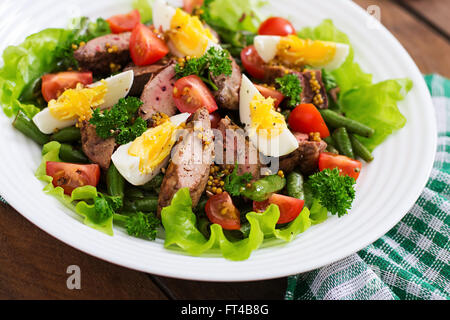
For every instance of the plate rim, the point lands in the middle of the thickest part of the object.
(16, 204)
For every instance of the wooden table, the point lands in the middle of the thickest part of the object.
(33, 264)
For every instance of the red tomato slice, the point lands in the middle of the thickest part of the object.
(190, 5)
(289, 207)
(71, 175)
(190, 94)
(276, 26)
(215, 119)
(274, 94)
(346, 165)
(124, 22)
(54, 84)
(252, 62)
(145, 47)
(306, 118)
(221, 210)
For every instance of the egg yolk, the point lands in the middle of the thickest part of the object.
(305, 52)
(265, 120)
(188, 34)
(153, 146)
(77, 103)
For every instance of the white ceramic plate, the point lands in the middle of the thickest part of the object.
(386, 190)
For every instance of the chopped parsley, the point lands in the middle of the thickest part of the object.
(291, 88)
(235, 183)
(214, 62)
(137, 224)
(120, 122)
(334, 191)
(328, 80)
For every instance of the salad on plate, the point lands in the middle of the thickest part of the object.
(212, 126)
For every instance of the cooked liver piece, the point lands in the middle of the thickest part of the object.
(227, 96)
(98, 150)
(158, 94)
(98, 54)
(232, 146)
(190, 163)
(305, 158)
(142, 75)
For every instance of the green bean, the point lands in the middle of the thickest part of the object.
(261, 189)
(294, 185)
(330, 141)
(343, 142)
(134, 193)
(360, 149)
(70, 134)
(335, 120)
(115, 183)
(332, 149)
(29, 129)
(148, 204)
(153, 184)
(68, 153)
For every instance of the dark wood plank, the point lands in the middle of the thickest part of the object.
(435, 12)
(33, 265)
(427, 47)
(196, 290)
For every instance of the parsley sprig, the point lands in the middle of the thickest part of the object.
(214, 62)
(235, 183)
(290, 87)
(120, 122)
(334, 191)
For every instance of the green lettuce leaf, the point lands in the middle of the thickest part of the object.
(180, 226)
(372, 104)
(145, 9)
(26, 62)
(376, 106)
(234, 15)
(77, 201)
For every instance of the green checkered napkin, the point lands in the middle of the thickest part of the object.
(412, 260)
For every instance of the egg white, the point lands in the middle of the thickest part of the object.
(278, 146)
(128, 165)
(266, 46)
(118, 87)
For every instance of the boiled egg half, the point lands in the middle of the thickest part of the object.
(266, 128)
(76, 104)
(296, 51)
(140, 160)
(187, 34)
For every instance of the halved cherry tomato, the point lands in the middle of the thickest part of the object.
(190, 5)
(54, 84)
(124, 22)
(145, 47)
(289, 207)
(346, 165)
(190, 94)
(215, 119)
(272, 93)
(276, 26)
(306, 118)
(252, 62)
(221, 210)
(71, 175)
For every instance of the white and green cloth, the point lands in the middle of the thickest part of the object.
(411, 261)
